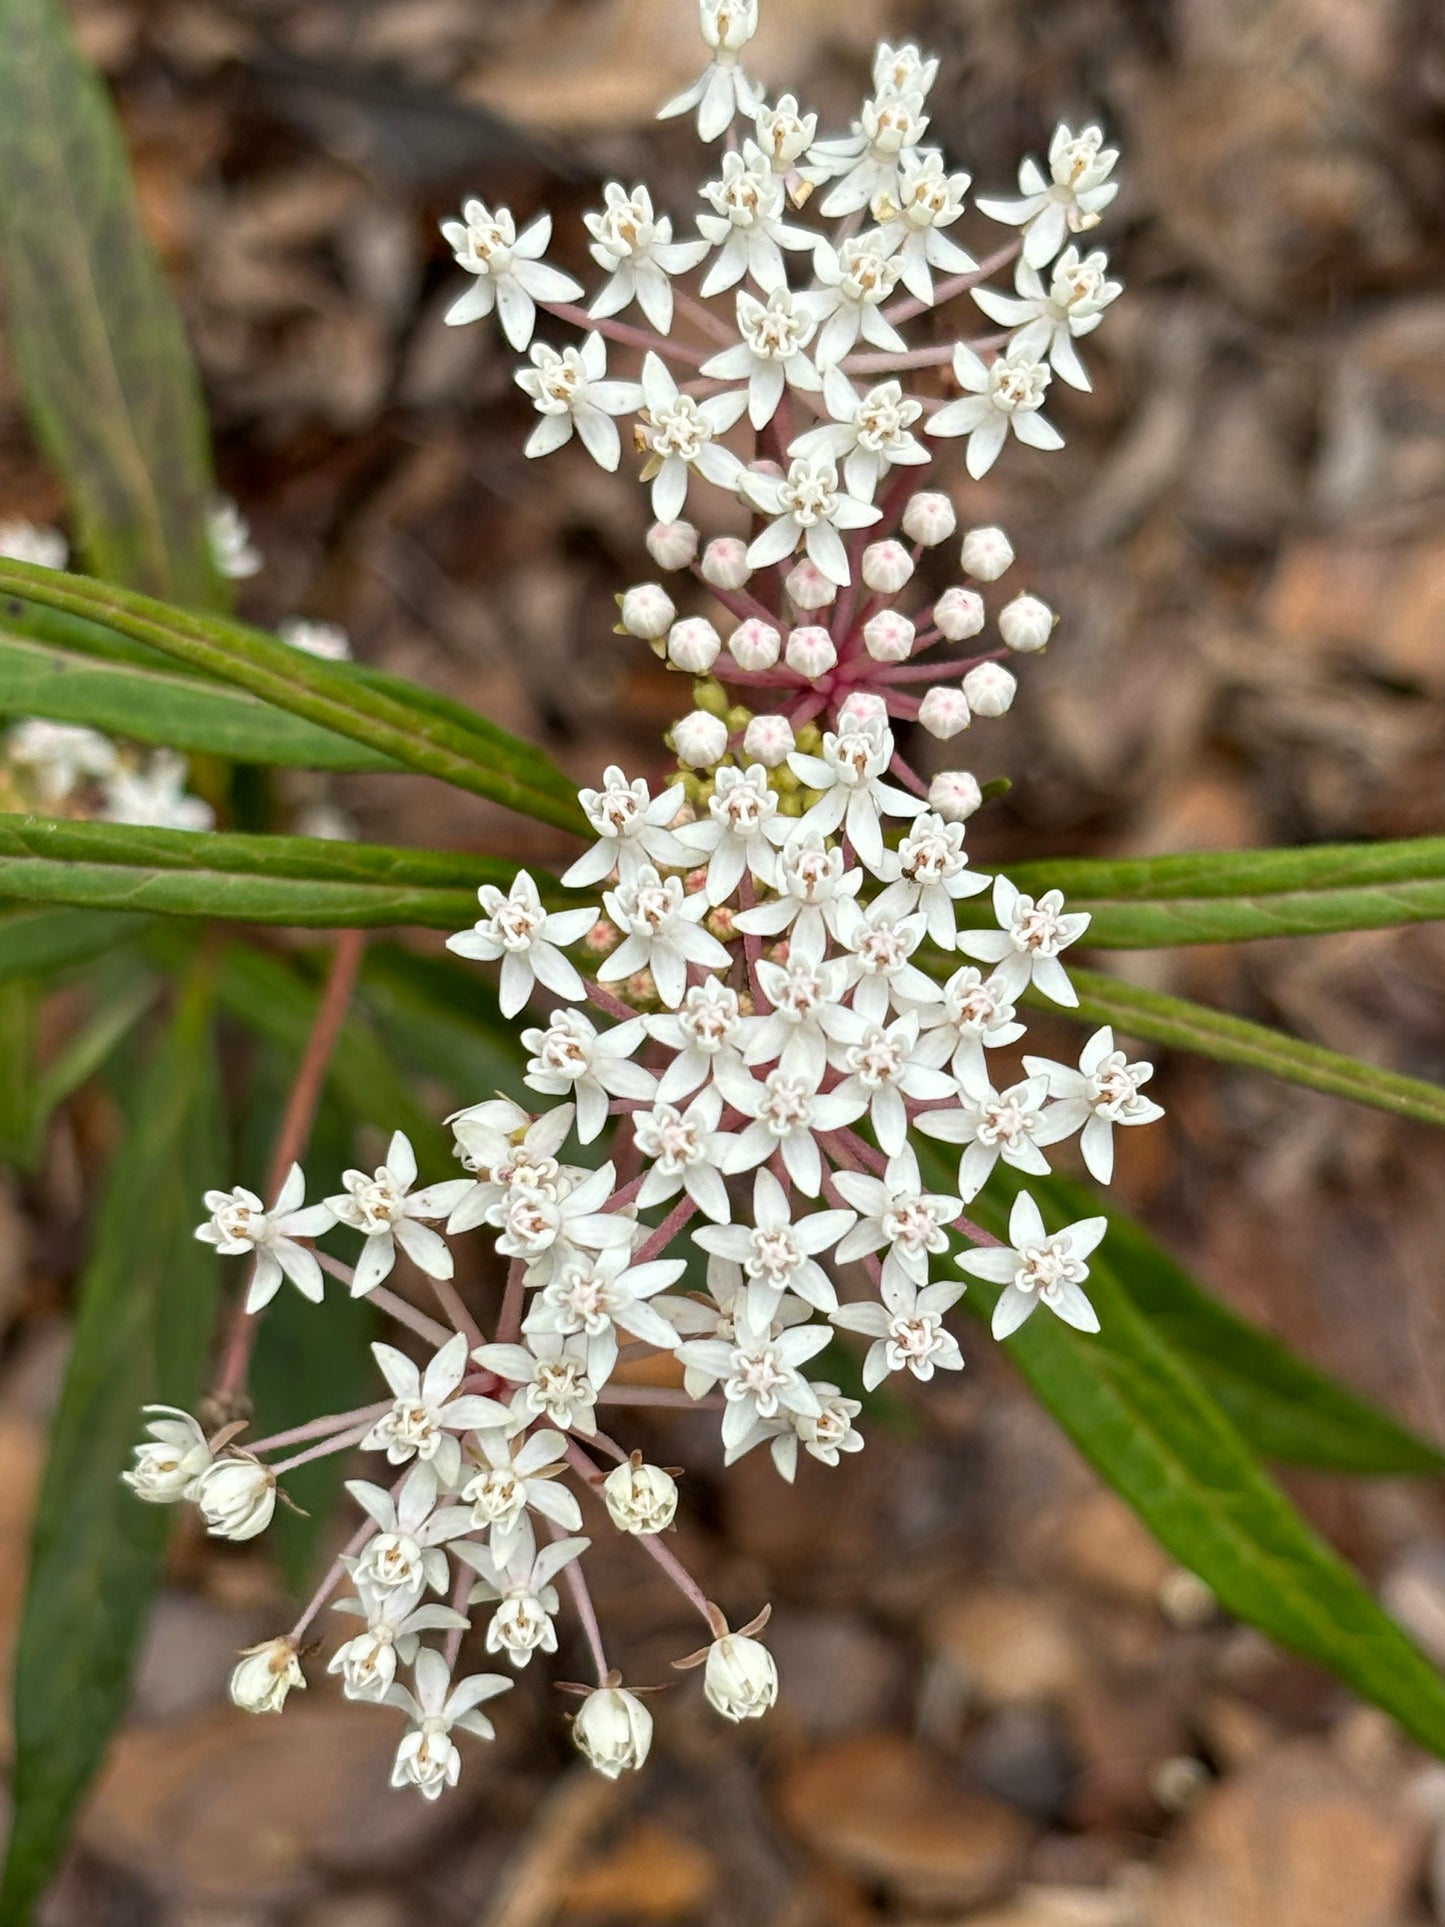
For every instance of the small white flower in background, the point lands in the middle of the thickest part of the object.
(1050, 319)
(570, 390)
(925, 200)
(932, 875)
(1068, 200)
(1012, 1125)
(599, 1294)
(572, 1058)
(383, 1205)
(902, 69)
(153, 797)
(974, 1016)
(868, 161)
(239, 1223)
(526, 1598)
(1025, 948)
(636, 248)
(233, 552)
(405, 1556)
(855, 797)
(898, 1217)
(682, 435)
(770, 357)
(367, 1662)
(168, 1465)
(746, 225)
(522, 1472)
(426, 1416)
(686, 1150)
(1006, 394)
(41, 546)
(61, 755)
(741, 832)
(328, 640)
(427, 1757)
(237, 1496)
(740, 1677)
(907, 1329)
(708, 1028)
(1104, 1091)
(854, 282)
(640, 1498)
(632, 827)
(663, 934)
(868, 434)
(612, 1727)
(265, 1676)
(527, 938)
(511, 275)
(1039, 1267)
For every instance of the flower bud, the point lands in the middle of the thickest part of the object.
(693, 644)
(755, 644)
(769, 740)
(640, 1498)
(810, 651)
(167, 1467)
(888, 636)
(986, 553)
(808, 587)
(672, 545)
(989, 688)
(741, 1677)
(237, 1496)
(1026, 623)
(613, 1729)
(886, 566)
(928, 518)
(959, 614)
(861, 707)
(647, 610)
(725, 562)
(266, 1675)
(700, 740)
(944, 711)
(954, 794)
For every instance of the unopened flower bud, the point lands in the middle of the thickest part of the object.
(986, 553)
(1026, 623)
(861, 707)
(811, 651)
(168, 1465)
(755, 644)
(769, 740)
(989, 688)
(928, 518)
(888, 636)
(237, 1497)
(954, 794)
(944, 711)
(725, 562)
(647, 611)
(700, 739)
(672, 545)
(693, 644)
(265, 1676)
(808, 587)
(640, 1498)
(613, 1729)
(959, 614)
(886, 566)
(741, 1677)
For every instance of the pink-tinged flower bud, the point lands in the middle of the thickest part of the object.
(959, 614)
(647, 611)
(929, 518)
(769, 740)
(986, 553)
(888, 636)
(755, 644)
(944, 711)
(810, 651)
(700, 740)
(1026, 623)
(860, 708)
(954, 794)
(886, 566)
(693, 644)
(725, 562)
(808, 587)
(990, 689)
(672, 545)
(602, 938)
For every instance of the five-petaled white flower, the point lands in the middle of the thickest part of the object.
(521, 1584)
(1025, 948)
(682, 435)
(770, 356)
(880, 942)
(1104, 1091)
(405, 1555)
(569, 389)
(637, 249)
(571, 1057)
(521, 1472)
(814, 883)
(526, 937)
(427, 1757)
(930, 874)
(367, 1661)
(707, 1028)
(907, 1329)
(746, 225)
(153, 796)
(169, 1463)
(787, 1113)
(546, 1223)
(868, 434)
(879, 1068)
(686, 1150)
(551, 1377)
(806, 994)
(426, 1415)
(61, 755)
(777, 1255)
(758, 1371)
(383, 1205)
(722, 89)
(913, 213)
(1068, 200)
(1006, 394)
(1013, 1125)
(239, 1222)
(741, 832)
(1050, 319)
(868, 160)
(974, 1016)
(632, 829)
(854, 282)
(597, 1294)
(896, 1216)
(663, 934)
(511, 275)
(850, 774)
(807, 506)
(1039, 1267)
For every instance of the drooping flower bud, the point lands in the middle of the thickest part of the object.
(725, 562)
(990, 689)
(929, 518)
(808, 587)
(954, 794)
(672, 545)
(811, 651)
(237, 1496)
(886, 567)
(755, 644)
(700, 740)
(613, 1729)
(741, 1677)
(888, 636)
(986, 553)
(647, 610)
(959, 614)
(1026, 623)
(641, 1498)
(944, 711)
(693, 644)
(769, 740)
(266, 1675)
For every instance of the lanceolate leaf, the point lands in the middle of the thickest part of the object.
(38, 942)
(94, 333)
(147, 1304)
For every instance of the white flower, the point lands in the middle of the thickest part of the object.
(511, 275)
(1011, 1124)
(548, 1223)
(632, 828)
(907, 1329)
(746, 225)
(902, 69)
(682, 435)
(913, 213)
(569, 389)
(850, 774)
(813, 882)
(527, 938)
(42, 547)
(521, 1474)
(707, 1029)
(522, 1586)
(1049, 319)
(427, 1757)
(426, 1415)
(823, 1436)
(613, 1729)
(1025, 948)
(758, 1369)
(153, 797)
(662, 933)
(1104, 1091)
(775, 1254)
(932, 875)
(640, 1498)
(1039, 1267)
(61, 755)
(551, 1377)
(404, 1557)
(1068, 200)
(228, 534)
(328, 640)
(686, 1151)
(237, 1496)
(595, 1295)
(1008, 393)
(881, 1070)
(889, 127)
(783, 133)
(880, 940)
(265, 1676)
(855, 280)
(741, 831)
(740, 1678)
(240, 1223)
(787, 1111)
(572, 1058)
(637, 249)
(806, 994)
(896, 1216)
(975, 1016)
(367, 1662)
(869, 434)
(510, 1151)
(770, 356)
(384, 1206)
(167, 1466)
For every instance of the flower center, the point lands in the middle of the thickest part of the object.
(680, 428)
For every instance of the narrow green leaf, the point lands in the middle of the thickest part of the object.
(147, 1305)
(19, 1015)
(103, 362)
(123, 1000)
(37, 943)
